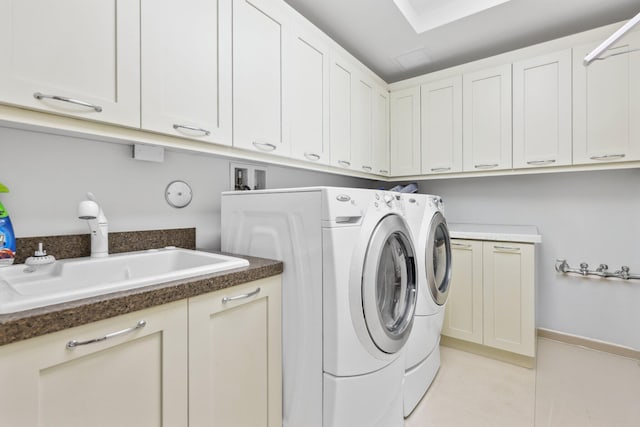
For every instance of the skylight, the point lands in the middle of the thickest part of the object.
(425, 15)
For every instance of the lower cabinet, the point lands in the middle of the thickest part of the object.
(197, 362)
(235, 357)
(492, 295)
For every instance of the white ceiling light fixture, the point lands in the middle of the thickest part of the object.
(425, 15)
(595, 53)
(414, 59)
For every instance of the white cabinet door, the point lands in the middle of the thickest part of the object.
(509, 297)
(606, 104)
(404, 142)
(441, 115)
(307, 100)
(381, 132)
(235, 375)
(137, 378)
(259, 32)
(341, 121)
(362, 126)
(72, 57)
(487, 119)
(542, 111)
(186, 68)
(463, 311)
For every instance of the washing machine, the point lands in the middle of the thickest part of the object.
(433, 247)
(349, 297)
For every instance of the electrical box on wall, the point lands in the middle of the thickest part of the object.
(247, 176)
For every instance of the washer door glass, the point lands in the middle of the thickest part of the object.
(438, 259)
(389, 284)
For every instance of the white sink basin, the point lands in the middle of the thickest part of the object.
(76, 278)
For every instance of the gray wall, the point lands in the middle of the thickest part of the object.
(48, 175)
(582, 216)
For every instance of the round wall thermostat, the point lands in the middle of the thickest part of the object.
(178, 194)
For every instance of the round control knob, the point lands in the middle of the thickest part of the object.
(388, 199)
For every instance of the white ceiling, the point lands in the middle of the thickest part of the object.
(379, 35)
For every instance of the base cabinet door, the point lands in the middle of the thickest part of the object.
(235, 357)
(509, 294)
(463, 312)
(137, 378)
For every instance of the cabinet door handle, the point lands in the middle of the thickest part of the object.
(608, 157)
(461, 245)
(264, 146)
(243, 296)
(367, 168)
(74, 343)
(193, 128)
(312, 156)
(486, 166)
(344, 163)
(384, 171)
(541, 162)
(506, 249)
(440, 169)
(40, 96)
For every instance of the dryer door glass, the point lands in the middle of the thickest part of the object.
(389, 284)
(438, 261)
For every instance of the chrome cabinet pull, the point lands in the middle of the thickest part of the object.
(75, 343)
(440, 169)
(193, 128)
(461, 245)
(506, 248)
(40, 96)
(243, 296)
(541, 162)
(608, 157)
(384, 171)
(312, 156)
(486, 166)
(264, 146)
(367, 168)
(344, 163)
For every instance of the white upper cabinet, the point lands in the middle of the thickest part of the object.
(72, 57)
(441, 117)
(404, 143)
(340, 121)
(307, 95)
(362, 126)
(542, 111)
(487, 119)
(186, 68)
(381, 132)
(606, 103)
(259, 31)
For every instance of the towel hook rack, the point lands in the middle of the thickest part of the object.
(602, 271)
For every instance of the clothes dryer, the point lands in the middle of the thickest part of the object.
(349, 297)
(433, 246)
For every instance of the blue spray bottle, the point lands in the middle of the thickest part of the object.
(7, 237)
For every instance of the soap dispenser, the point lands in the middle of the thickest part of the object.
(7, 237)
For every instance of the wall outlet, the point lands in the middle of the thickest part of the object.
(247, 176)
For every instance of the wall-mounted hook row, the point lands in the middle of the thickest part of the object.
(601, 271)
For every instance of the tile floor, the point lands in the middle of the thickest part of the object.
(570, 387)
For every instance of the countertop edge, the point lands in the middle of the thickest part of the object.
(32, 323)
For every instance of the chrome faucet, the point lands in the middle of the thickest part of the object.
(98, 226)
